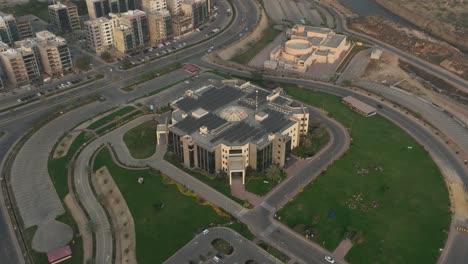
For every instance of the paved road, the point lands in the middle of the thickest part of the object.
(244, 249)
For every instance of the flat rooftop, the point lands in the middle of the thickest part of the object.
(231, 115)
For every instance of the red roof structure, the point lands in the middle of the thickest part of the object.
(59, 255)
(191, 68)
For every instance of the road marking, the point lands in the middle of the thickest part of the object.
(462, 229)
(268, 230)
(267, 206)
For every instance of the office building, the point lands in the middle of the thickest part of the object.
(306, 46)
(99, 34)
(197, 10)
(130, 30)
(160, 27)
(229, 127)
(64, 18)
(8, 29)
(153, 5)
(20, 65)
(102, 8)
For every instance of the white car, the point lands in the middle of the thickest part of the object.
(329, 259)
(216, 259)
(206, 231)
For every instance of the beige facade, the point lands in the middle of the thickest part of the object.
(153, 5)
(20, 65)
(160, 28)
(174, 7)
(307, 46)
(54, 53)
(246, 127)
(127, 37)
(181, 25)
(99, 34)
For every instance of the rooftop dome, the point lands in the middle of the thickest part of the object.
(234, 113)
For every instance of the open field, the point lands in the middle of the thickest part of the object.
(268, 36)
(385, 193)
(165, 218)
(34, 7)
(141, 140)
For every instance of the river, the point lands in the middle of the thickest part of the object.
(371, 8)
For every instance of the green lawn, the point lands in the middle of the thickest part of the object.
(34, 7)
(159, 232)
(112, 125)
(269, 35)
(390, 199)
(313, 142)
(111, 117)
(141, 140)
(255, 182)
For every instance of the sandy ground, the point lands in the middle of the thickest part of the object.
(81, 221)
(387, 71)
(120, 214)
(62, 148)
(262, 56)
(459, 203)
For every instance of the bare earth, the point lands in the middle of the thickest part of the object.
(113, 200)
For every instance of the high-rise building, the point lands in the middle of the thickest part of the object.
(197, 9)
(130, 30)
(99, 34)
(24, 28)
(102, 8)
(181, 25)
(54, 53)
(153, 5)
(8, 29)
(160, 28)
(20, 65)
(64, 18)
(174, 6)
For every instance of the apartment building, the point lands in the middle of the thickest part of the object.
(160, 27)
(197, 10)
(131, 30)
(64, 18)
(181, 25)
(54, 53)
(24, 28)
(153, 5)
(8, 29)
(102, 8)
(20, 65)
(174, 6)
(99, 34)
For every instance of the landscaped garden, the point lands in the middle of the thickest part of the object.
(166, 215)
(314, 141)
(385, 194)
(141, 140)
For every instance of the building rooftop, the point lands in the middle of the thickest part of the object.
(361, 106)
(334, 41)
(237, 115)
(57, 5)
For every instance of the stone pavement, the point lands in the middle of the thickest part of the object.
(343, 248)
(238, 190)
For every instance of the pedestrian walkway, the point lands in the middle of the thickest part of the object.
(238, 190)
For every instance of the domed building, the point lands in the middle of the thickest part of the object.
(228, 127)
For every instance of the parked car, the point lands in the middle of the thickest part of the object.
(329, 259)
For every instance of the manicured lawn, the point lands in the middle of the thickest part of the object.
(159, 232)
(268, 36)
(111, 117)
(391, 199)
(257, 183)
(141, 140)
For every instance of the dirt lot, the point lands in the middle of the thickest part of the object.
(390, 70)
(414, 42)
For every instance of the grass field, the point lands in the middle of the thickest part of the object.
(268, 36)
(159, 232)
(111, 117)
(390, 199)
(255, 182)
(141, 140)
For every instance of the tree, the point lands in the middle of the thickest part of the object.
(106, 56)
(126, 64)
(273, 172)
(83, 63)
